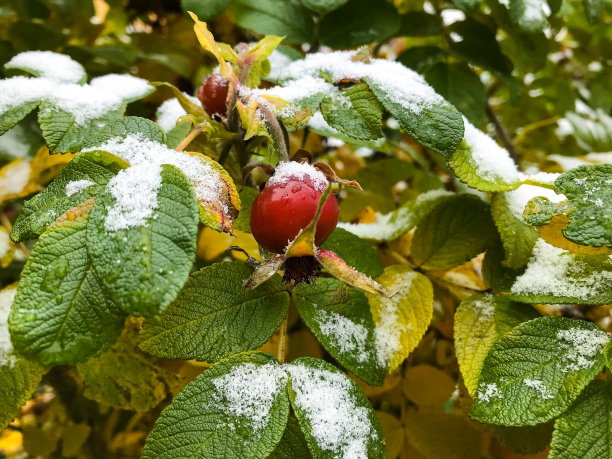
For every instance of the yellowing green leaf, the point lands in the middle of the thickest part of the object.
(481, 320)
(401, 320)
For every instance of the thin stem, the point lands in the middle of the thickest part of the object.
(278, 134)
(7, 224)
(502, 133)
(190, 137)
(282, 340)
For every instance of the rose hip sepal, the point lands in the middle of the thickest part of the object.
(304, 245)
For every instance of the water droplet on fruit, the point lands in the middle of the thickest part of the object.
(285, 199)
(297, 187)
(313, 195)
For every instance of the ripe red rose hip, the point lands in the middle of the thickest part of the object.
(288, 203)
(213, 94)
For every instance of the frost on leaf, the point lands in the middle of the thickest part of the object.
(135, 189)
(349, 336)
(7, 296)
(248, 392)
(482, 164)
(327, 402)
(557, 276)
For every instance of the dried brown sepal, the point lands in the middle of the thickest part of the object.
(301, 269)
(301, 156)
(264, 272)
(333, 177)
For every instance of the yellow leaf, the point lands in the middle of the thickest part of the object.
(391, 381)
(427, 386)
(444, 436)
(7, 248)
(262, 49)
(552, 233)
(393, 432)
(208, 42)
(402, 319)
(46, 166)
(211, 244)
(10, 442)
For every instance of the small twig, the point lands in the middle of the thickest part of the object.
(190, 137)
(502, 133)
(282, 340)
(7, 224)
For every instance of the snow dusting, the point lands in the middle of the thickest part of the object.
(580, 347)
(278, 61)
(518, 199)
(249, 391)
(84, 102)
(6, 347)
(76, 186)
(293, 170)
(171, 110)
(489, 391)
(47, 64)
(554, 271)
(539, 387)
(392, 225)
(492, 161)
(388, 331)
(135, 189)
(338, 424)
(484, 308)
(349, 336)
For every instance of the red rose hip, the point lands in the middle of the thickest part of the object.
(288, 203)
(213, 94)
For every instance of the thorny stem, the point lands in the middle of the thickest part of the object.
(7, 224)
(190, 137)
(282, 340)
(278, 134)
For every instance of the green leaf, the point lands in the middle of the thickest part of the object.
(608, 355)
(11, 117)
(359, 22)
(392, 225)
(19, 377)
(437, 125)
(420, 58)
(97, 167)
(592, 131)
(144, 267)
(123, 377)
(589, 211)
(237, 408)
(402, 319)
(356, 112)
(247, 196)
(455, 231)
(529, 15)
(480, 321)
(61, 131)
(593, 10)
(479, 46)
(62, 313)
(214, 316)
(206, 10)
(333, 412)
(323, 6)
(275, 17)
(556, 276)
(458, 84)
(536, 371)
(122, 127)
(481, 163)
(18, 381)
(340, 318)
(354, 251)
(496, 275)
(467, 5)
(177, 134)
(293, 444)
(585, 430)
(420, 24)
(517, 237)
